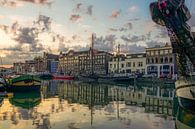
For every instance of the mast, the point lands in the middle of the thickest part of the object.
(118, 57)
(92, 54)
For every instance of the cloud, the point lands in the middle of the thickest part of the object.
(132, 48)
(20, 3)
(134, 38)
(153, 43)
(75, 17)
(84, 9)
(105, 43)
(44, 22)
(124, 28)
(2, 17)
(133, 9)
(115, 13)
(134, 19)
(90, 10)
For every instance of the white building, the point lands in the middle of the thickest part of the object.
(161, 61)
(131, 63)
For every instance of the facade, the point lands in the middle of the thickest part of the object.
(19, 67)
(80, 62)
(54, 67)
(161, 61)
(39, 64)
(131, 63)
(117, 64)
(48, 59)
(29, 66)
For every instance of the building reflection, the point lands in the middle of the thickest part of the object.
(65, 96)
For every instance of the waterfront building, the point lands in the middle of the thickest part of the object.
(30, 66)
(161, 61)
(48, 58)
(80, 62)
(19, 67)
(39, 64)
(117, 64)
(131, 63)
(136, 63)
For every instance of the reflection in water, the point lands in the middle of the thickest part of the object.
(73, 105)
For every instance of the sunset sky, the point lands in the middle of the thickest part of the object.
(30, 27)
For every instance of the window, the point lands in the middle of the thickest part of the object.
(156, 60)
(110, 65)
(161, 60)
(166, 60)
(170, 59)
(140, 64)
(133, 64)
(148, 61)
(152, 60)
(128, 64)
(122, 65)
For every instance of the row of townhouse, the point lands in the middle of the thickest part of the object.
(158, 60)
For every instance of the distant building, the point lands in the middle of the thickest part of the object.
(161, 61)
(117, 64)
(80, 62)
(19, 67)
(47, 59)
(30, 66)
(39, 64)
(131, 63)
(54, 67)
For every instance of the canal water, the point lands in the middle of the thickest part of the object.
(76, 105)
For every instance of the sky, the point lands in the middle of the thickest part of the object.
(30, 27)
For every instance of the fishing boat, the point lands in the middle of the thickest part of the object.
(24, 83)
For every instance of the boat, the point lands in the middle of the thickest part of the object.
(185, 111)
(24, 83)
(63, 77)
(185, 89)
(45, 76)
(3, 84)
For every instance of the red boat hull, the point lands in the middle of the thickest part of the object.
(63, 77)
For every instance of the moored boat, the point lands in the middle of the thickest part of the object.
(46, 76)
(63, 77)
(2, 84)
(25, 82)
(185, 88)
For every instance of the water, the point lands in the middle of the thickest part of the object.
(75, 105)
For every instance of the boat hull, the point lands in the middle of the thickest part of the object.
(25, 83)
(185, 89)
(63, 77)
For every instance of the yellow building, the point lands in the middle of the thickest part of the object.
(160, 61)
